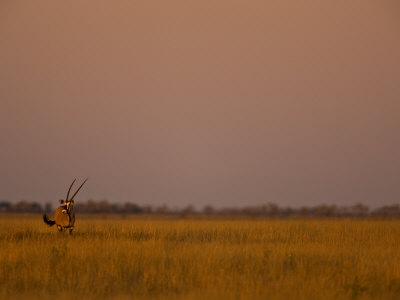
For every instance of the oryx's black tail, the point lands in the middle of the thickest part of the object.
(47, 221)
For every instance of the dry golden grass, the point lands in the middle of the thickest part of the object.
(159, 258)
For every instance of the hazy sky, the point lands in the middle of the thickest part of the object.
(201, 102)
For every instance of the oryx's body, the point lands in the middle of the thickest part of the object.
(64, 217)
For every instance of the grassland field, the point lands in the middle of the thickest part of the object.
(200, 258)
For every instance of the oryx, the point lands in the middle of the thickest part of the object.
(64, 216)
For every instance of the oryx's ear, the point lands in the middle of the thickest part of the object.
(61, 201)
(71, 202)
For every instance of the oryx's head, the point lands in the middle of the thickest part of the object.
(69, 203)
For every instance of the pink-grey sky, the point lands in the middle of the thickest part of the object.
(219, 102)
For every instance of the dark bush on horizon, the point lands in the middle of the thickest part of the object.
(269, 210)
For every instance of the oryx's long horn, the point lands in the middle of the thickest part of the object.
(66, 199)
(72, 198)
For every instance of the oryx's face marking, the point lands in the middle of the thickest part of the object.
(67, 206)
